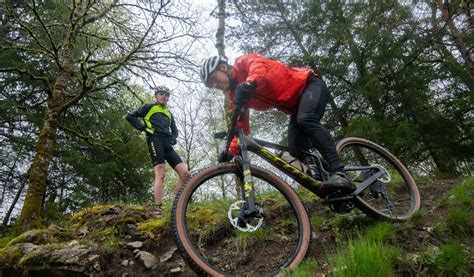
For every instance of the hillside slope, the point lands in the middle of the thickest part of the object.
(125, 240)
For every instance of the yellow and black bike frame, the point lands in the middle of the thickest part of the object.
(257, 146)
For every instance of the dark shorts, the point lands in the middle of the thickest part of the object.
(160, 150)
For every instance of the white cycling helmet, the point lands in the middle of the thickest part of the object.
(209, 65)
(162, 88)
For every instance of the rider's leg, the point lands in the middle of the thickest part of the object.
(311, 109)
(183, 174)
(156, 149)
(159, 170)
(297, 137)
(175, 161)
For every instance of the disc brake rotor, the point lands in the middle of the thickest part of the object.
(235, 207)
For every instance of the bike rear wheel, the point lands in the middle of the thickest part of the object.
(394, 195)
(211, 244)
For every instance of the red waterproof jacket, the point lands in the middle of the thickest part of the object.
(278, 86)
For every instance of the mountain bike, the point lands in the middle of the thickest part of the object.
(230, 216)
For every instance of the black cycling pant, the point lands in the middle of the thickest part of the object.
(305, 127)
(161, 149)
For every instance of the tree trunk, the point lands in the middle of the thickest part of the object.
(443, 166)
(221, 28)
(30, 216)
(457, 38)
(12, 206)
(31, 212)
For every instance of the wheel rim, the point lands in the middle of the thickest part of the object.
(228, 250)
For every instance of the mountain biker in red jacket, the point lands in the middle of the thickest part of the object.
(261, 83)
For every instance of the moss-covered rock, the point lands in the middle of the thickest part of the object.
(95, 242)
(11, 255)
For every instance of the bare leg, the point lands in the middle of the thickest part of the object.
(158, 184)
(183, 173)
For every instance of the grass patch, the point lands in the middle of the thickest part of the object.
(245, 240)
(317, 221)
(307, 268)
(365, 258)
(452, 259)
(419, 215)
(111, 243)
(448, 259)
(460, 206)
(383, 231)
(369, 254)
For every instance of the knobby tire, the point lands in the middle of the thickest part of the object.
(188, 200)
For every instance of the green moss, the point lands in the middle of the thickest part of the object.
(153, 225)
(6, 240)
(205, 215)
(127, 220)
(100, 234)
(135, 209)
(36, 237)
(9, 256)
(39, 255)
(80, 216)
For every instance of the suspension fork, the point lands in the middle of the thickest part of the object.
(247, 189)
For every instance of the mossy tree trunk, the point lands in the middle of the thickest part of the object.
(30, 216)
(31, 213)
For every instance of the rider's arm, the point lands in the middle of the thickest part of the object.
(255, 67)
(243, 120)
(243, 123)
(174, 129)
(133, 116)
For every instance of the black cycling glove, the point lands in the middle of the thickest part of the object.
(243, 93)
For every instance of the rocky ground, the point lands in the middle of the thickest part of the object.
(119, 240)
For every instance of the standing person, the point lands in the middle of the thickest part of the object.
(260, 83)
(161, 133)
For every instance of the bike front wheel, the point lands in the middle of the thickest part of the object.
(212, 244)
(394, 194)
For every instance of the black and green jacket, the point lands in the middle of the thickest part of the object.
(157, 118)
